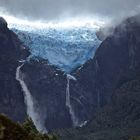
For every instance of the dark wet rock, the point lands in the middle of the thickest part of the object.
(48, 88)
(103, 33)
(115, 62)
(11, 95)
(3, 23)
(114, 74)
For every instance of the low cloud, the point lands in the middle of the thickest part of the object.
(59, 9)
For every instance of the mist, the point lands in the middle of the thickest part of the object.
(57, 9)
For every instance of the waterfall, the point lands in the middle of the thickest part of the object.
(68, 102)
(32, 113)
(83, 124)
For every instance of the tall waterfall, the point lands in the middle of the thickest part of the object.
(68, 102)
(31, 111)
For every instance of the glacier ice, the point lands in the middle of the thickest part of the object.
(66, 48)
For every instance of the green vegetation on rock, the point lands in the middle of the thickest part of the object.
(135, 138)
(10, 130)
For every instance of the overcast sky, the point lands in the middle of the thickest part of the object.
(55, 9)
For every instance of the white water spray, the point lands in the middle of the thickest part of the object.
(83, 124)
(68, 102)
(29, 102)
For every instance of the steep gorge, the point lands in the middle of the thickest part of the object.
(11, 95)
(116, 61)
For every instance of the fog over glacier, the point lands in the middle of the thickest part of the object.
(63, 33)
(59, 9)
(47, 43)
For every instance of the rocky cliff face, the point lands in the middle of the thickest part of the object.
(115, 62)
(48, 88)
(59, 104)
(115, 73)
(59, 98)
(62, 100)
(11, 95)
(119, 120)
